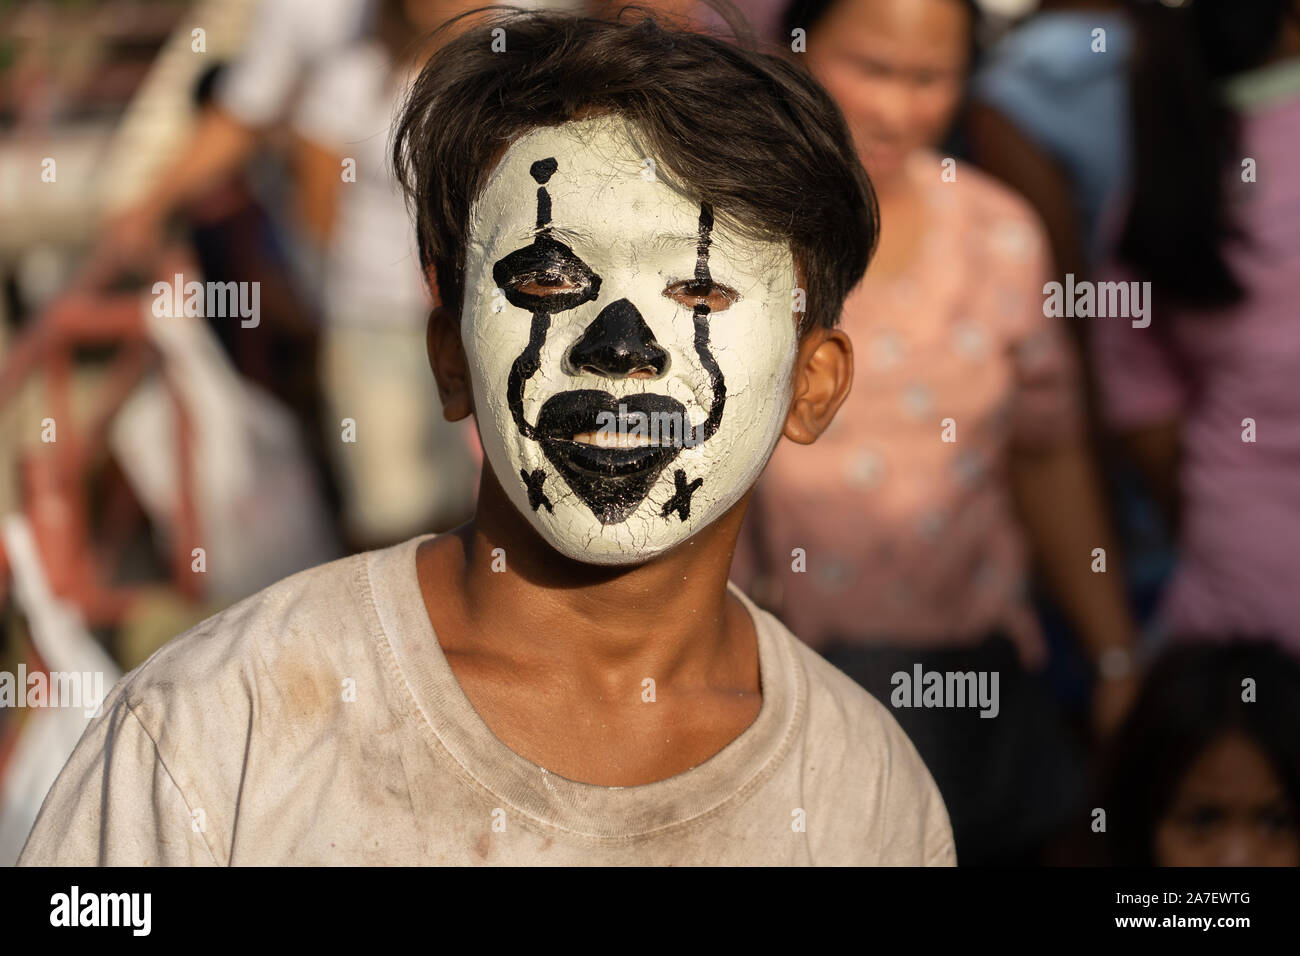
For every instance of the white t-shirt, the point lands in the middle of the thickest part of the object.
(284, 40)
(318, 722)
(373, 272)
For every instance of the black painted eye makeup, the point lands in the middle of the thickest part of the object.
(546, 277)
(690, 293)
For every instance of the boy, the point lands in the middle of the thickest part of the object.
(642, 239)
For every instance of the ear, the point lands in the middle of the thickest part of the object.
(450, 367)
(823, 375)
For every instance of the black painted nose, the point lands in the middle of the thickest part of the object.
(618, 344)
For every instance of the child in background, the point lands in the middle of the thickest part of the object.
(408, 470)
(1206, 771)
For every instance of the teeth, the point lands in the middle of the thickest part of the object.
(604, 439)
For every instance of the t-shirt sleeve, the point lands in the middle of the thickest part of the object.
(116, 804)
(939, 848)
(914, 797)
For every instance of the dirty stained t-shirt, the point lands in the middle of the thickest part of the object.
(318, 722)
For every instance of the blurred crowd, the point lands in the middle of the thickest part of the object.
(1070, 457)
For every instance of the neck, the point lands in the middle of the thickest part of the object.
(669, 617)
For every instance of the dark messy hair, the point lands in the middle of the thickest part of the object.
(1184, 139)
(1189, 698)
(743, 130)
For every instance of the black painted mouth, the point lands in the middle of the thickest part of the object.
(612, 482)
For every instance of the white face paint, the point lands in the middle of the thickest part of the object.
(574, 346)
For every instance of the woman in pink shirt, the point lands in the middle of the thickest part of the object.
(901, 539)
(1208, 394)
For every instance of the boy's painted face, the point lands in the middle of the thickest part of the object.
(631, 363)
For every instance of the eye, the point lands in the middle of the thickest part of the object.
(545, 277)
(691, 292)
(546, 284)
(1276, 819)
(874, 69)
(1202, 817)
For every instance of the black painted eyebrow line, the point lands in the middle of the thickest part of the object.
(562, 233)
(702, 274)
(564, 259)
